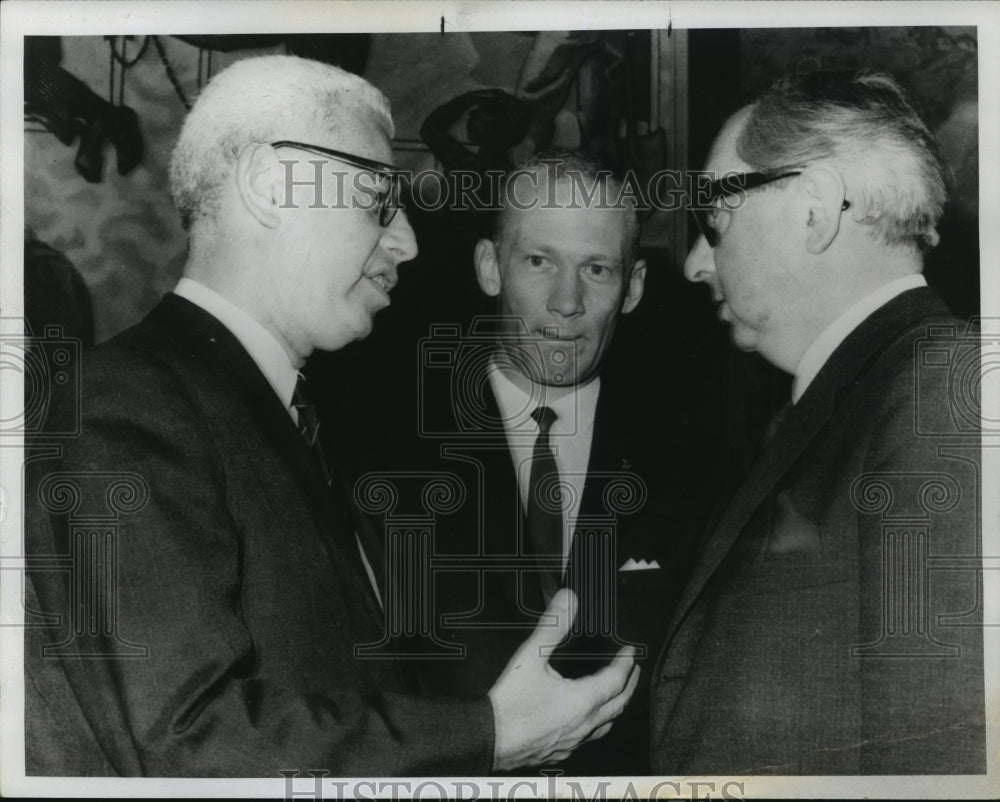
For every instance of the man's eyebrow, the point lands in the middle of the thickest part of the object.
(613, 257)
(535, 247)
(601, 256)
(549, 250)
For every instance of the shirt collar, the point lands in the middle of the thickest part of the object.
(263, 348)
(574, 410)
(823, 347)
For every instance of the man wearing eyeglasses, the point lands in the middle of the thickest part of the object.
(832, 624)
(243, 585)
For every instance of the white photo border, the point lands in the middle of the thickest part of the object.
(22, 18)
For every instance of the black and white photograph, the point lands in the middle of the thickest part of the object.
(499, 399)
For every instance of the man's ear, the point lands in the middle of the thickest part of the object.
(259, 182)
(823, 192)
(487, 267)
(636, 284)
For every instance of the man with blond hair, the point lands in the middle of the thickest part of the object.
(244, 585)
(561, 452)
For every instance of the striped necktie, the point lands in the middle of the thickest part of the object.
(309, 425)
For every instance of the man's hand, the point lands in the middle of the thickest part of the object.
(540, 717)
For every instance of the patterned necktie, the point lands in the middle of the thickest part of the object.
(309, 429)
(545, 522)
(309, 425)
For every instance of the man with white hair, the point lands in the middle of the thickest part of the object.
(243, 585)
(832, 624)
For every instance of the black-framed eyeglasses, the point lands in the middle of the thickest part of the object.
(705, 206)
(389, 201)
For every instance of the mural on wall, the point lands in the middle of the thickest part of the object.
(937, 65)
(120, 231)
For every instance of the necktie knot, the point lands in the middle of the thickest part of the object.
(544, 417)
(300, 395)
(306, 411)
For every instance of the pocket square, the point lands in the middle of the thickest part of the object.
(642, 565)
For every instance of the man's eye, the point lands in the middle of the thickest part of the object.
(598, 271)
(536, 261)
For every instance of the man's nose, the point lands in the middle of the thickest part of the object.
(565, 298)
(398, 238)
(700, 263)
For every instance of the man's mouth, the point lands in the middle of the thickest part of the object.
(721, 307)
(382, 281)
(555, 335)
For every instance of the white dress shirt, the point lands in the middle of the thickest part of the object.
(823, 347)
(263, 348)
(570, 437)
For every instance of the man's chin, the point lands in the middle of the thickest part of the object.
(742, 339)
(559, 379)
(569, 376)
(550, 378)
(360, 329)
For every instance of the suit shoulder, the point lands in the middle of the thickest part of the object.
(925, 353)
(165, 350)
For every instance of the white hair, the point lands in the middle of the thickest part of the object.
(260, 99)
(867, 127)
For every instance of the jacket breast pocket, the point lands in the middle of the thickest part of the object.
(779, 577)
(648, 580)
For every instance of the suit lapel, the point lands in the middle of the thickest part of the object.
(602, 455)
(613, 451)
(211, 343)
(585, 565)
(792, 437)
(604, 460)
(800, 426)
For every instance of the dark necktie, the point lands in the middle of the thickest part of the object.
(545, 522)
(309, 429)
(309, 425)
(774, 424)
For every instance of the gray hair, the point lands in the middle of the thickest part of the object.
(867, 128)
(558, 163)
(255, 100)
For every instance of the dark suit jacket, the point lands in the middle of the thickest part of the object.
(642, 486)
(237, 595)
(833, 621)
